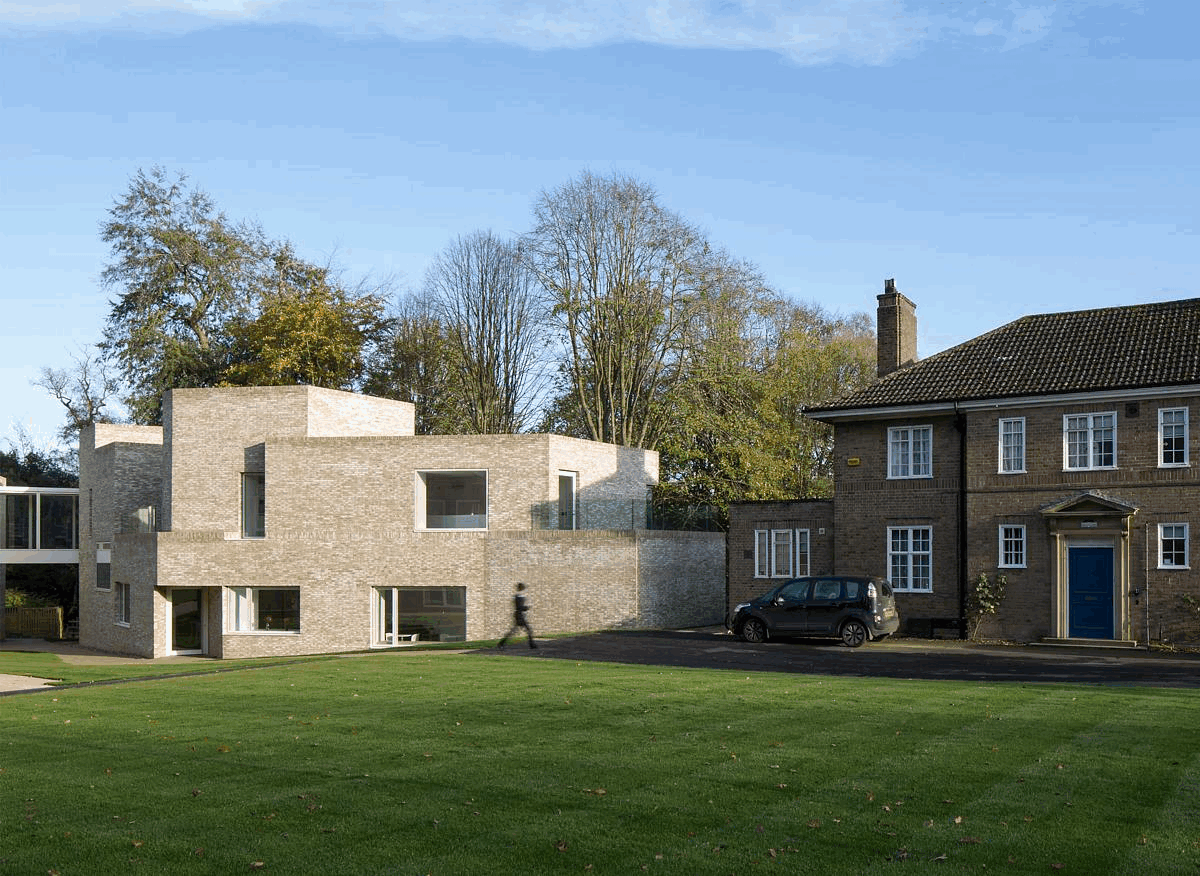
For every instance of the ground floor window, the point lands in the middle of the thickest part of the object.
(122, 606)
(780, 553)
(418, 614)
(1172, 545)
(1012, 547)
(910, 558)
(263, 609)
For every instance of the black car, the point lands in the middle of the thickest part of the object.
(854, 609)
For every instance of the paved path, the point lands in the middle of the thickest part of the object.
(68, 652)
(893, 658)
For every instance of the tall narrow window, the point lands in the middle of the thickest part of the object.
(1012, 547)
(254, 505)
(122, 605)
(1012, 445)
(910, 558)
(781, 553)
(103, 576)
(566, 500)
(1172, 545)
(910, 452)
(1173, 436)
(1090, 441)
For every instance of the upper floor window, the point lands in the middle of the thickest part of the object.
(1173, 436)
(1090, 441)
(910, 452)
(451, 500)
(1012, 445)
(254, 505)
(910, 558)
(780, 553)
(1012, 547)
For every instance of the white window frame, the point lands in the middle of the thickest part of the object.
(1090, 430)
(241, 615)
(1013, 546)
(905, 463)
(121, 595)
(1162, 438)
(910, 559)
(782, 553)
(1016, 431)
(1179, 532)
(421, 499)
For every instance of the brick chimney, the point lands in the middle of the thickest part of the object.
(895, 330)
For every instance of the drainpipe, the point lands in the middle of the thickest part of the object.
(960, 423)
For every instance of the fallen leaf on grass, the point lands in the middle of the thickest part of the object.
(561, 845)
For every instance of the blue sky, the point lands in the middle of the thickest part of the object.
(996, 158)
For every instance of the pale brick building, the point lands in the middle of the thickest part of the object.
(1056, 450)
(296, 520)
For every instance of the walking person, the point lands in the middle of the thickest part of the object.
(520, 621)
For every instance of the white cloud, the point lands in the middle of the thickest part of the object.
(804, 31)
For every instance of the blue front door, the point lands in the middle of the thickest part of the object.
(1090, 582)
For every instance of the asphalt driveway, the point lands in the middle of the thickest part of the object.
(893, 658)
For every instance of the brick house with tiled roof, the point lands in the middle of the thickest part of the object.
(1056, 450)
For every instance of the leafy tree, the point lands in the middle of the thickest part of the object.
(622, 275)
(414, 363)
(737, 427)
(488, 304)
(181, 272)
(307, 331)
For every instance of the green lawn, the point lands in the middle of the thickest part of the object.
(443, 763)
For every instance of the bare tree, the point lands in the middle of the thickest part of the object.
(84, 390)
(623, 276)
(491, 308)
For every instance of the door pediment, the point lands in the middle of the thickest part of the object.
(1089, 504)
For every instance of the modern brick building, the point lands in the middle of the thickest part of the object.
(1055, 450)
(295, 520)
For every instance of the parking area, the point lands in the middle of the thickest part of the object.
(928, 659)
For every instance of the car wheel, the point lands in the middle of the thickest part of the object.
(754, 630)
(854, 633)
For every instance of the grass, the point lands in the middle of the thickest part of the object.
(465, 764)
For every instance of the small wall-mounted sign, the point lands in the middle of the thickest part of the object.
(853, 461)
(1087, 524)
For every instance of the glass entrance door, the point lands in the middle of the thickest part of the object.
(187, 620)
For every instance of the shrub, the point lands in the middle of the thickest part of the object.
(984, 597)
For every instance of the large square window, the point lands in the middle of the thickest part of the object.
(910, 558)
(1173, 436)
(910, 452)
(451, 500)
(418, 614)
(1090, 441)
(264, 609)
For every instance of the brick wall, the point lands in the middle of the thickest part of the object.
(815, 515)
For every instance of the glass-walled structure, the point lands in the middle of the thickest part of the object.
(39, 525)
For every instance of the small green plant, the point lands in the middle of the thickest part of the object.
(984, 598)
